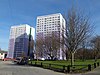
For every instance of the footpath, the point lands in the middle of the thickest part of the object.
(93, 72)
(8, 68)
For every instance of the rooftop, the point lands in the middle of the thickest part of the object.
(1, 51)
(50, 15)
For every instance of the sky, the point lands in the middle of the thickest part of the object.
(16, 12)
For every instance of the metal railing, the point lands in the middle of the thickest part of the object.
(64, 68)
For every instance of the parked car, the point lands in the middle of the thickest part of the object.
(21, 60)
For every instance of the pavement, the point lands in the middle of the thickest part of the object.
(93, 72)
(9, 68)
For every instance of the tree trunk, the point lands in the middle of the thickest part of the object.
(66, 56)
(95, 58)
(37, 57)
(83, 56)
(72, 59)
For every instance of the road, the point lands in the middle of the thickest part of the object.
(9, 68)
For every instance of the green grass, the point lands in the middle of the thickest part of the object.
(64, 62)
(55, 64)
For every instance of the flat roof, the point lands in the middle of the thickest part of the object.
(49, 15)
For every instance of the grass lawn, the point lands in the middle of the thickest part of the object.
(56, 64)
(64, 62)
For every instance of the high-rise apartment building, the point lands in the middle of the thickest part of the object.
(19, 40)
(48, 24)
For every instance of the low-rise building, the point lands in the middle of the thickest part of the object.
(3, 54)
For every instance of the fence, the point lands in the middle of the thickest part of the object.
(64, 68)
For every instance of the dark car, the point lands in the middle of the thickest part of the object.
(21, 60)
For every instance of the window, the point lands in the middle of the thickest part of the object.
(58, 16)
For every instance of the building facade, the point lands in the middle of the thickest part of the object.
(19, 40)
(3, 54)
(48, 24)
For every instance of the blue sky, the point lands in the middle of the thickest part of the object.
(15, 12)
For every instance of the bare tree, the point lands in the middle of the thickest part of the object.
(52, 45)
(96, 47)
(48, 46)
(85, 49)
(39, 48)
(87, 53)
(77, 30)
